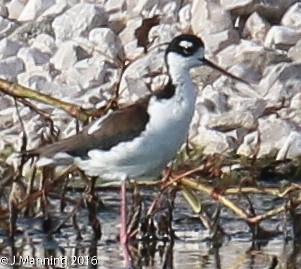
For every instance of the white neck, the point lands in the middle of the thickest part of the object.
(178, 69)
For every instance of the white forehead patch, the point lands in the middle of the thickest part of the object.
(185, 44)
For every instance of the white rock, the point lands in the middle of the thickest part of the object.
(136, 71)
(34, 8)
(247, 53)
(8, 47)
(270, 142)
(44, 43)
(78, 21)
(292, 16)
(279, 36)
(295, 52)
(185, 17)
(280, 82)
(213, 141)
(35, 79)
(5, 102)
(63, 91)
(114, 5)
(132, 51)
(214, 24)
(56, 8)
(65, 56)
(6, 116)
(248, 147)
(33, 57)
(11, 67)
(15, 8)
(117, 22)
(252, 104)
(212, 19)
(137, 7)
(105, 41)
(169, 13)
(291, 148)
(232, 120)
(6, 26)
(3, 11)
(234, 4)
(221, 40)
(128, 34)
(253, 56)
(86, 73)
(162, 33)
(256, 27)
(292, 110)
(213, 100)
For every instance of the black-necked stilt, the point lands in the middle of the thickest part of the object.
(139, 140)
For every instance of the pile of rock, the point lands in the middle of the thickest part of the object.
(77, 50)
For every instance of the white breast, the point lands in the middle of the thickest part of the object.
(148, 154)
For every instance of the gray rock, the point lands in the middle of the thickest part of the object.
(78, 21)
(8, 48)
(33, 57)
(35, 79)
(11, 67)
(6, 27)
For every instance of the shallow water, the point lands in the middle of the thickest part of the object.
(192, 248)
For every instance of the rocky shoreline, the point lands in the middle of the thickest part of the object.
(77, 50)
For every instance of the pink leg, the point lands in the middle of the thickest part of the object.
(123, 213)
(123, 227)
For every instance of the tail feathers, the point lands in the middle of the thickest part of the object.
(58, 159)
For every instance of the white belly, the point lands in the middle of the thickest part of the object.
(147, 155)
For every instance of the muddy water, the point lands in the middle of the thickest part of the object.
(192, 248)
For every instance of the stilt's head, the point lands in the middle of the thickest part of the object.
(187, 51)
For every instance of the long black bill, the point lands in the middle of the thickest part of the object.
(214, 66)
